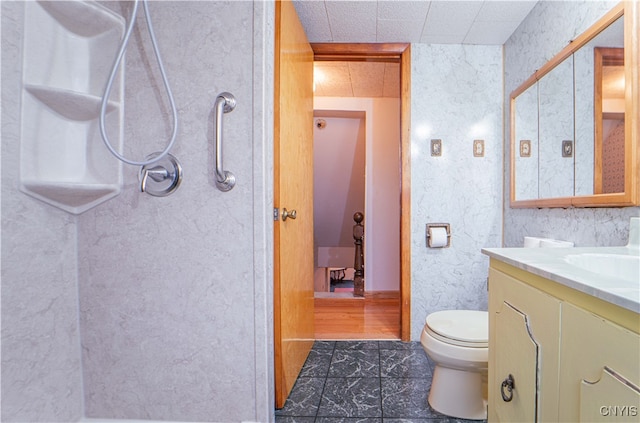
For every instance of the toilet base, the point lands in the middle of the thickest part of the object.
(458, 393)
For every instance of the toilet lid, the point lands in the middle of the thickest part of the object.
(466, 326)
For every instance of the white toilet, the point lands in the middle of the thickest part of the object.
(457, 341)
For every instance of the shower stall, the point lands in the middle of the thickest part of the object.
(117, 304)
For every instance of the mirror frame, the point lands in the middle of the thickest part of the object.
(631, 195)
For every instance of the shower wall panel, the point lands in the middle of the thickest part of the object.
(175, 291)
(41, 367)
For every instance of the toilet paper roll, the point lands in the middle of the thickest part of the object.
(437, 237)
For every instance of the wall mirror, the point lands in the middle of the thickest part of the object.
(575, 124)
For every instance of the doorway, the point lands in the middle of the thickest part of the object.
(397, 55)
(339, 146)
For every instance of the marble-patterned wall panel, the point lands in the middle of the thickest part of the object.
(456, 97)
(41, 370)
(548, 29)
(169, 310)
(555, 122)
(526, 144)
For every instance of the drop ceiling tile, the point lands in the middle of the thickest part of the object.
(491, 33)
(367, 91)
(331, 71)
(505, 11)
(442, 39)
(352, 21)
(367, 78)
(366, 69)
(403, 10)
(338, 89)
(447, 21)
(332, 79)
(316, 22)
(395, 31)
(450, 18)
(391, 84)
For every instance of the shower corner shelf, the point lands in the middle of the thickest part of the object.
(74, 198)
(70, 104)
(62, 159)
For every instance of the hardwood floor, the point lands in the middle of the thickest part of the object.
(376, 316)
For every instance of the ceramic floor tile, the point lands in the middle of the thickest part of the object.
(296, 419)
(357, 345)
(321, 345)
(441, 419)
(355, 363)
(351, 397)
(406, 398)
(304, 398)
(404, 363)
(363, 382)
(317, 364)
(399, 345)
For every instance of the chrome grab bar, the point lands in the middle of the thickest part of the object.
(225, 102)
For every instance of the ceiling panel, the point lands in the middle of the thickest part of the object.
(489, 22)
(388, 21)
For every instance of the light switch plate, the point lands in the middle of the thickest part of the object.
(436, 148)
(478, 148)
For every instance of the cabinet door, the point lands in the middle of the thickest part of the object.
(524, 333)
(516, 360)
(600, 369)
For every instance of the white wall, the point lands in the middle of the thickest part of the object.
(338, 179)
(548, 29)
(175, 293)
(456, 96)
(382, 192)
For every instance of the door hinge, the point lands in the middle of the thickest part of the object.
(276, 214)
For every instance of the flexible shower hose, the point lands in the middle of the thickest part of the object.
(109, 86)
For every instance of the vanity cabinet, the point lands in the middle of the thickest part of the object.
(572, 357)
(524, 336)
(599, 362)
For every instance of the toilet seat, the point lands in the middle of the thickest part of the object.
(465, 328)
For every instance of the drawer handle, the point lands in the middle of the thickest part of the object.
(510, 385)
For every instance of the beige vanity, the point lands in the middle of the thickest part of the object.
(564, 333)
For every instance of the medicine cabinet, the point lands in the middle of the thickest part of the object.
(575, 125)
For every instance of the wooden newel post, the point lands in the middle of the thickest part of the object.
(358, 265)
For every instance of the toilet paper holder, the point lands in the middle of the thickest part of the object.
(446, 226)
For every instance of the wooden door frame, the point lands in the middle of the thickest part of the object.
(395, 53)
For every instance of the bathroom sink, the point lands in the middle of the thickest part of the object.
(618, 266)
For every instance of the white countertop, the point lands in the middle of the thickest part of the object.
(550, 263)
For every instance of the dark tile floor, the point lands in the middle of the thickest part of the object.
(363, 381)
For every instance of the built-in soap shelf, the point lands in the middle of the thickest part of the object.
(70, 104)
(68, 51)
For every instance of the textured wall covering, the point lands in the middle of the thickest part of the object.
(456, 97)
(175, 293)
(549, 27)
(41, 370)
